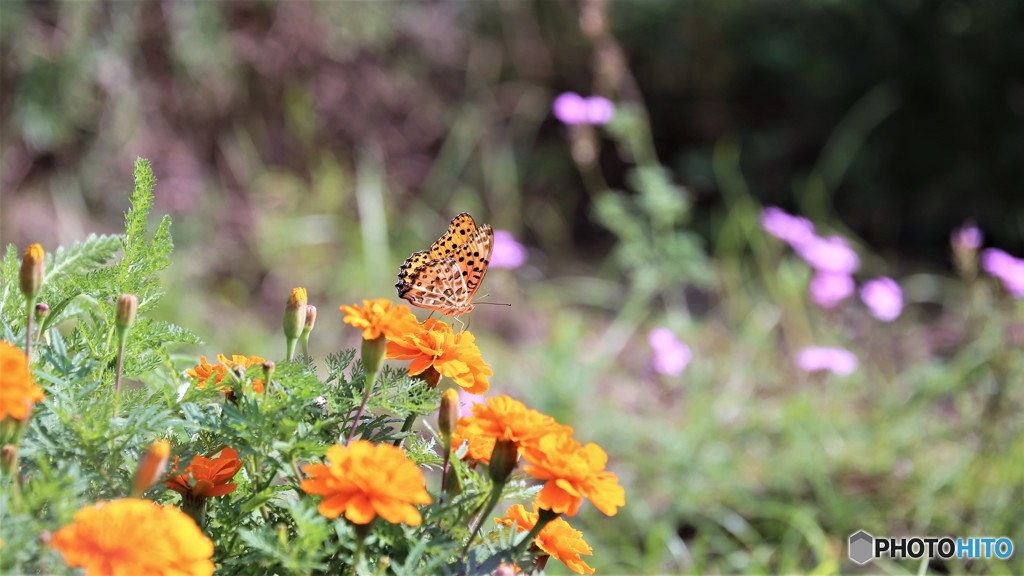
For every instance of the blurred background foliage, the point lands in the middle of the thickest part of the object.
(319, 143)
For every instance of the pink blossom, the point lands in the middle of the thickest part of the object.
(508, 253)
(573, 109)
(831, 288)
(967, 238)
(836, 360)
(1006, 268)
(831, 254)
(466, 401)
(883, 297)
(671, 356)
(791, 229)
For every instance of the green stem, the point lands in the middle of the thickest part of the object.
(362, 531)
(290, 349)
(31, 309)
(492, 501)
(305, 350)
(371, 379)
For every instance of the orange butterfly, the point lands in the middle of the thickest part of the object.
(445, 277)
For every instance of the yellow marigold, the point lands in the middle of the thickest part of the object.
(558, 539)
(364, 480)
(503, 418)
(206, 373)
(18, 391)
(573, 472)
(433, 345)
(206, 477)
(380, 317)
(132, 536)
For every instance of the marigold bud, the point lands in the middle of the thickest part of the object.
(310, 320)
(127, 305)
(42, 311)
(268, 369)
(32, 269)
(295, 313)
(9, 459)
(373, 354)
(447, 415)
(430, 377)
(151, 467)
(504, 459)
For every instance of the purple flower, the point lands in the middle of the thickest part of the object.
(836, 360)
(791, 229)
(831, 288)
(508, 253)
(831, 254)
(883, 297)
(466, 402)
(967, 238)
(573, 109)
(670, 355)
(1005, 267)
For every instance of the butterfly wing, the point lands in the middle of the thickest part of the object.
(461, 229)
(437, 285)
(474, 256)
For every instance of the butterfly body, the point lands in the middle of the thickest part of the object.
(447, 275)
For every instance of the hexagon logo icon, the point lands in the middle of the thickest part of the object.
(861, 547)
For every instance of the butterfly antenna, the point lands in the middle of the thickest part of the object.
(478, 301)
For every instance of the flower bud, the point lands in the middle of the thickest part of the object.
(447, 415)
(9, 460)
(42, 311)
(295, 313)
(151, 467)
(32, 269)
(504, 459)
(268, 369)
(310, 320)
(127, 305)
(373, 354)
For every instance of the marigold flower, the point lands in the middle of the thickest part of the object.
(573, 472)
(365, 480)
(558, 539)
(503, 418)
(132, 536)
(204, 372)
(18, 391)
(206, 477)
(433, 345)
(380, 317)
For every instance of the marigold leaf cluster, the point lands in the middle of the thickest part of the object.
(558, 539)
(18, 391)
(131, 536)
(364, 480)
(433, 344)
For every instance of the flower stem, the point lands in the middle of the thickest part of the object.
(371, 379)
(120, 364)
(290, 349)
(492, 501)
(30, 308)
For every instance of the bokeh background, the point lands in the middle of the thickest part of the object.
(319, 143)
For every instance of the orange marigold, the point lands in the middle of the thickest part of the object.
(132, 536)
(207, 477)
(433, 345)
(364, 480)
(573, 472)
(380, 317)
(558, 539)
(18, 391)
(503, 418)
(206, 373)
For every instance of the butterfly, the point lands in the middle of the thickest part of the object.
(445, 277)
